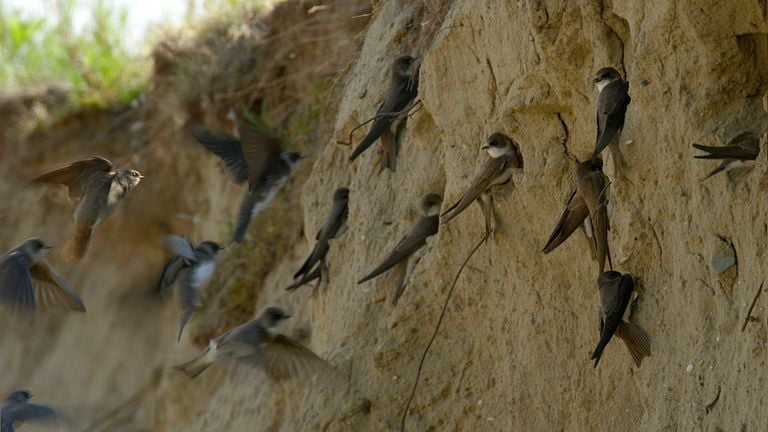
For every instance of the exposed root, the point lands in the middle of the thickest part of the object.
(437, 329)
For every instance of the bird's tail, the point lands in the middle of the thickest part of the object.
(598, 352)
(637, 341)
(199, 364)
(75, 247)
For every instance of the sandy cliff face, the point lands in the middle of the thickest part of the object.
(513, 350)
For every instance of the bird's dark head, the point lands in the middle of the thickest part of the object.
(129, 178)
(430, 204)
(605, 76)
(341, 194)
(35, 248)
(594, 164)
(19, 397)
(291, 158)
(499, 145)
(210, 248)
(404, 65)
(272, 316)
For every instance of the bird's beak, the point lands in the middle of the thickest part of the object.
(141, 176)
(287, 316)
(47, 247)
(302, 157)
(595, 80)
(485, 147)
(222, 247)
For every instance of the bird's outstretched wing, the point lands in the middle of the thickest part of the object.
(226, 147)
(76, 175)
(51, 290)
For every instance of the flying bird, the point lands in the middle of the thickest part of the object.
(335, 225)
(28, 282)
(415, 239)
(403, 89)
(741, 152)
(97, 188)
(497, 171)
(257, 343)
(612, 102)
(257, 158)
(615, 295)
(17, 409)
(193, 268)
(588, 207)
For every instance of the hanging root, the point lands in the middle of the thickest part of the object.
(437, 329)
(378, 116)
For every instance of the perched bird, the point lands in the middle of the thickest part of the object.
(27, 281)
(257, 158)
(335, 225)
(615, 295)
(403, 89)
(193, 267)
(594, 190)
(741, 152)
(588, 207)
(612, 103)
(97, 188)
(497, 171)
(415, 239)
(16, 410)
(257, 343)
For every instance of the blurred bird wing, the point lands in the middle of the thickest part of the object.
(188, 298)
(171, 271)
(15, 284)
(29, 412)
(225, 146)
(285, 358)
(180, 245)
(76, 175)
(51, 290)
(260, 147)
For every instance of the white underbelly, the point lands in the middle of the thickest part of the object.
(202, 274)
(267, 201)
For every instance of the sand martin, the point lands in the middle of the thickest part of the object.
(257, 158)
(193, 268)
(28, 282)
(741, 152)
(612, 104)
(497, 171)
(403, 89)
(588, 207)
(594, 190)
(16, 410)
(97, 189)
(415, 239)
(335, 225)
(257, 343)
(615, 296)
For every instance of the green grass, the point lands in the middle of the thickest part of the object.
(93, 63)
